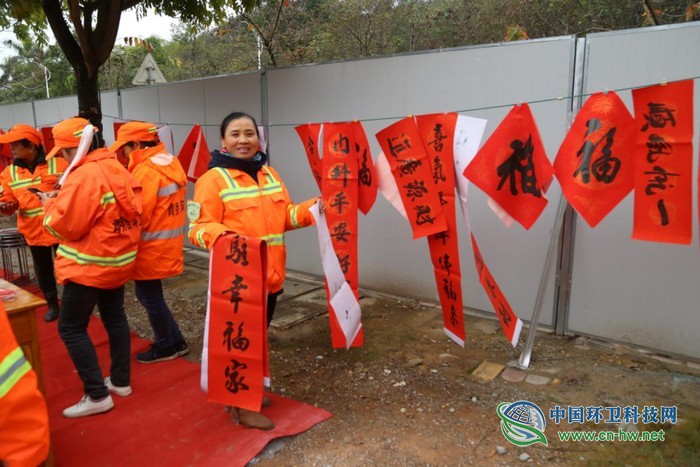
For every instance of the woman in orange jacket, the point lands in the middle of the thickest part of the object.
(241, 194)
(96, 215)
(31, 171)
(24, 421)
(160, 254)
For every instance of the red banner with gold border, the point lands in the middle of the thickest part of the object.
(339, 189)
(595, 162)
(237, 358)
(437, 135)
(664, 154)
(512, 167)
(402, 145)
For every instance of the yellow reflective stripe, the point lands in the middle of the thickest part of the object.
(240, 193)
(227, 178)
(32, 212)
(52, 166)
(200, 238)
(85, 259)
(107, 198)
(12, 368)
(27, 182)
(47, 219)
(13, 173)
(293, 216)
(274, 239)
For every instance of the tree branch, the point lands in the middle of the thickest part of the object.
(54, 15)
(651, 16)
(108, 18)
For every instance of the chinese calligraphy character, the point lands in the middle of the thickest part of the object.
(239, 342)
(503, 313)
(238, 253)
(437, 143)
(442, 236)
(449, 291)
(438, 174)
(423, 215)
(397, 146)
(121, 225)
(340, 232)
(408, 166)
(341, 171)
(445, 263)
(605, 168)
(236, 286)
(342, 144)
(520, 161)
(339, 201)
(659, 180)
(659, 115)
(344, 263)
(415, 189)
(235, 380)
(365, 174)
(453, 316)
(657, 146)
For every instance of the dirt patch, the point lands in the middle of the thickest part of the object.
(408, 396)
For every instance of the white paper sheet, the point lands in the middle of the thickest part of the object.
(343, 304)
(387, 184)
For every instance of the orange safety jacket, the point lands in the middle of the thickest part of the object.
(15, 180)
(164, 185)
(97, 219)
(24, 420)
(228, 200)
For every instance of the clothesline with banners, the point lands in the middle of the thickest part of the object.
(461, 111)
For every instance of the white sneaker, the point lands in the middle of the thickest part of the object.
(87, 406)
(121, 391)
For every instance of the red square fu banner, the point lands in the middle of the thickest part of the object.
(237, 359)
(664, 163)
(512, 167)
(595, 162)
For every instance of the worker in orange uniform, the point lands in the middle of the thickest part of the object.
(160, 254)
(96, 215)
(24, 421)
(241, 194)
(30, 171)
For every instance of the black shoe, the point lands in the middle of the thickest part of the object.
(51, 315)
(182, 348)
(153, 355)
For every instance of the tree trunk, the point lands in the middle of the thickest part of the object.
(89, 105)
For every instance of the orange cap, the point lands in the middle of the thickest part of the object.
(20, 132)
(67, 134)
(134, 131)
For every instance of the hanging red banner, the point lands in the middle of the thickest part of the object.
(401, 143)
(194, 155)
(366, 174)
(47, 136)
(437, 134)
(5, 151)
(237, 358)
(309, 134)
(510, 323)
(595, 162)
(339, 189)
(664, 155)
(512, 167)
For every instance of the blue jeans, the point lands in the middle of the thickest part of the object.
(76, 307)
(166, 332)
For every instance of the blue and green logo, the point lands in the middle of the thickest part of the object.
(522, 423)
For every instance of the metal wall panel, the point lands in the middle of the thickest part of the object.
(379, 91)
(12, 114)
(633, 291)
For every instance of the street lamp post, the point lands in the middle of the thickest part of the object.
(47, 77)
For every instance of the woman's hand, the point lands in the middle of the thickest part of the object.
(321, 205)
(45, 195)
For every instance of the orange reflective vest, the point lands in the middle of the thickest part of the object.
(15, 180)
(164, 185)
(24, 420)
(228, 200)
(97, 219)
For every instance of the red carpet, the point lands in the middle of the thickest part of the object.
(166, 421)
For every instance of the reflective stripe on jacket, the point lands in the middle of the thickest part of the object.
(164, 185)
(24, 421)
(97, 219)
(15, 180)
(231, 201)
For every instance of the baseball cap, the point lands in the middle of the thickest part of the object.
(67, 134)
(134, 131)
(20, 132)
